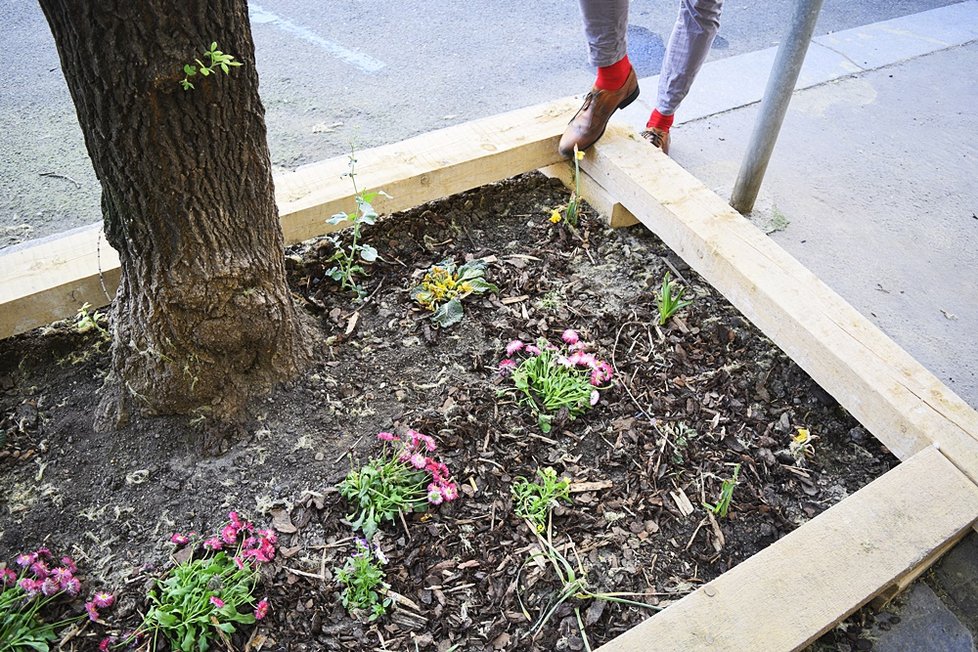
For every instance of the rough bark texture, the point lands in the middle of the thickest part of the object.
(203, 317)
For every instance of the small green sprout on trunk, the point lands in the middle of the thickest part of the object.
(218, 61)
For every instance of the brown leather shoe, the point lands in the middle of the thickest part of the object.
(657, 137)
(590, 121)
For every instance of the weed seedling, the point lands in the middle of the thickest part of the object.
(218, 61)
(533, 501)
(573, 582)
(400, 481)
(670, 299)
(362, 578)
(727, 487)
(571, 212)
(802, 446)
(443, 287)
(347, 259)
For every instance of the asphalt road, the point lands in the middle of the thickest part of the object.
(366, 71)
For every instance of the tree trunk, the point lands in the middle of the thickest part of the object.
(203, 318)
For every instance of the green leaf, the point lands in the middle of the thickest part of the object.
(213, 46)
(472, 269)
(480, 285)
(448, 313)
(225, 68)
(368, 253)
(337, 218)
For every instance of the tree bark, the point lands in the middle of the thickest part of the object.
(203, 317)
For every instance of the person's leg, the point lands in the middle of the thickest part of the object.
(605, 26)
(689, 44)
(616, 86)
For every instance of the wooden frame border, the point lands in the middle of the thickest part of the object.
(794, 590)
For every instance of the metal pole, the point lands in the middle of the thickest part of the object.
(780, 86)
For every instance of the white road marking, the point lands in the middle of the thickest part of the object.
(260, 15)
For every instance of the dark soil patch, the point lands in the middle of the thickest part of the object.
(690, 400)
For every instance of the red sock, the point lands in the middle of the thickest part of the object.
(613, 77)
(659, 121)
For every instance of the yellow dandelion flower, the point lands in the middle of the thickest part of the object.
(579, 154)
(555, 216)
(802, 436)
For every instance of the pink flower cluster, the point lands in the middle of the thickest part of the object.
(40, 576)
(577, 357)
(255, 544)
(416, 447)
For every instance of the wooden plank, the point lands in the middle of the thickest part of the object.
(424, 168)
(47, 280)
(50, 279)
(798, 588)
(895, 397)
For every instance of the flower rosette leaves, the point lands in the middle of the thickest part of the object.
(552, 380)
(404, 478)
(443, 287)
(211, 592)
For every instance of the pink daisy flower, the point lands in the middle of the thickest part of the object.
(72, 586)
(103, 599)
(213, 544)
(25, 559)
(564, 361)
(449, 491)
(40, 569)
(217, 602)
(570, 336)
(43, 552)
(105, 644)
(50, 586)
(532, 350)
(229, 534)
(506, 366)
(261, 609)
(387, 436)
(179, 539)
(92, 611)
(69, 563)
(239, 562)
(435, 497)
(8, 577)
(513, 347)
(61, 574)
(417, 460)
(32, 587)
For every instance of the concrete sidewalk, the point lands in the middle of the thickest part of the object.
(873, 186)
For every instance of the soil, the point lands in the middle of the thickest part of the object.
(690, 400)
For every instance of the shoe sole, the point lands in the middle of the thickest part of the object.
(624, 103)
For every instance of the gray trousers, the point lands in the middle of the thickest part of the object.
(606, 23)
